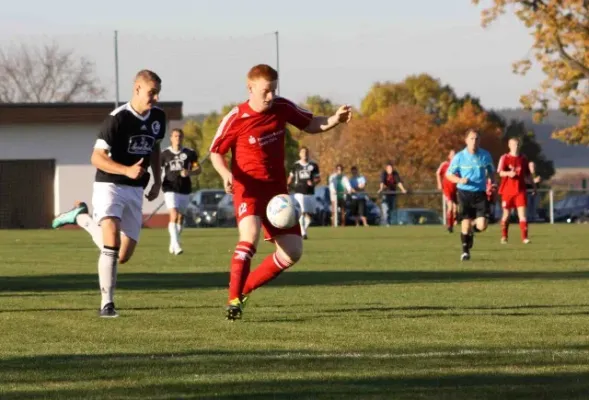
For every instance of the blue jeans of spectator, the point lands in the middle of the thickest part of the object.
(389, 202)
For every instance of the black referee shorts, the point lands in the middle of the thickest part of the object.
(472, 205)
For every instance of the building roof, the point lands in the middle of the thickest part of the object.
(59, 113)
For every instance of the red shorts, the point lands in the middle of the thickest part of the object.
(253, 201)
(450, 194)
(510, 201)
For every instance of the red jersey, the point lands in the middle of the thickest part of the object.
(257, 140)
(446, 183)
(517, 184)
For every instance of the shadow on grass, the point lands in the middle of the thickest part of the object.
(275, 374)
(167, 281)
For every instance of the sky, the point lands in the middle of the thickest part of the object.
(336, 49)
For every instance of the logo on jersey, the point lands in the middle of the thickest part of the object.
(155, 127)
(183, 156)
(143, 127)
(242, 209)
(252, 140)
(245, 115)
(140, 144)
(270, 138)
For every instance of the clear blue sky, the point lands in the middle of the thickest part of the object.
(337, 49)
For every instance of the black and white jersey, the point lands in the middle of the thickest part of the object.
(302, 173)
(173, 163)
(129, 137)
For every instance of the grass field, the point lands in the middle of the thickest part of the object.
(368, 313)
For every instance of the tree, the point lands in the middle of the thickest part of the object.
(421, 90)
(46, 74)
(561, 47)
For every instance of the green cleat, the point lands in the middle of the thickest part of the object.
(234, 309)
(69, 217)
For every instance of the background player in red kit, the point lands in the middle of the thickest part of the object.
(514, 169)
(448, 188)
(254, 131)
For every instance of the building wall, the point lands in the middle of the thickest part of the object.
(71, 147)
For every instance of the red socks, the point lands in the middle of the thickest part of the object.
(270, 268)
(523, 226)
(240, 268)
(504, 229)
(450, 219)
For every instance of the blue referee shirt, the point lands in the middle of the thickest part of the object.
(474, 167)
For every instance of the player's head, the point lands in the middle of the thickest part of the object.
(304, 154)
(339, 169)
(354, 170)
(451, 155)
(472, 138)
(513, 144)
(262, 81)
(146, 90)
(389, 167)
(176, 138)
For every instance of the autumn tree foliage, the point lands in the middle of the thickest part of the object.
(561, 47)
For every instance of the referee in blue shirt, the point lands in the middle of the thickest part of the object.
(471, 168)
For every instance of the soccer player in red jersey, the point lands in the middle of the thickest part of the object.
(514, 170)
(254, 131)
(449, 189)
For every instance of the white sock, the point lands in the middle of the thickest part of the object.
(107, 274)
(307, 221)
(302, 224)
(86, 222)
(179, 230)
(173, 234)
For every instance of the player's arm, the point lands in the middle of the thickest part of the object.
(289, 179)
(501, 169)
(195, 168)
(439, 176)
(490, 170)
(316, 175)
(156, 164)
(453, 172)
(319, 124)
(400, 182)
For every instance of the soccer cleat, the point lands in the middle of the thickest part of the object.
(234, 309)
(171, 249)
(69, 217)
(244, 300)
(503, 240)
(465, 257)
(450, 229)
(175, 250)
(108, 311)
(527, 241)
(305, 237)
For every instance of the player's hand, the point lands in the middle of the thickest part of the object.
(309, 182)
(154, 191)
(135, 171)
(228, 183)
(464, 181)
(344, 114)
(439, 187)
(184, 173)
(511, 174)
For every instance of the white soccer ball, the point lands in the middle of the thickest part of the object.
(282, 212)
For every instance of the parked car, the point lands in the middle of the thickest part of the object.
(572, 208)
(202, 209)
(225, 211)
(416, 216)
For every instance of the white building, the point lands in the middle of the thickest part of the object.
(45, 153)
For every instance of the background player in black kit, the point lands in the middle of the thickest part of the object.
(179, 164)
(127, 144)
(304, 176)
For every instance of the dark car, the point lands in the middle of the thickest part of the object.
(572, 209)
(202, 209)
(416, 216)
(225, 211)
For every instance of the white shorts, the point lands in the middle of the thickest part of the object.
(176, 200)
(120, 201)
(306, 203)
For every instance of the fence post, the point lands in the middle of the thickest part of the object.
(551, 205)
(444, 212)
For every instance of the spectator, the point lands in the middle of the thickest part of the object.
(358, 196)
(389, 181)
(339, 188)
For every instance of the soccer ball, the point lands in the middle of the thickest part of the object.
(282, 212)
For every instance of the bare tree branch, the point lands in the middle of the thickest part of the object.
(47, 74)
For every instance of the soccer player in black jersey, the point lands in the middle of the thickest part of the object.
(179, 164)
(304, 176)
(127, 145)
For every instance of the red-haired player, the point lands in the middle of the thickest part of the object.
(514, 170)
(448, 188)
(254, 131)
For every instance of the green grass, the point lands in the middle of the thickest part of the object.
(368, 313)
